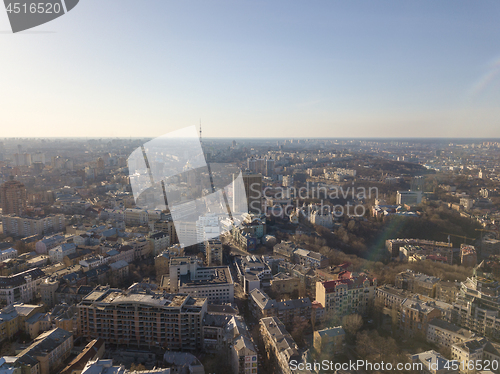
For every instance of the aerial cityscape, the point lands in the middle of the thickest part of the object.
(368, 251)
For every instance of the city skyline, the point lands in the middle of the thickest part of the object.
(329, 69)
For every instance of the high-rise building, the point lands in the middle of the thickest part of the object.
(13, 198)
(253, 191)
(270, 164)
(213, 252)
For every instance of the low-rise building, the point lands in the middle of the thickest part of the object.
(329, 341)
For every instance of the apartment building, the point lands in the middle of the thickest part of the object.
(408, 197)
(417, 283)
(279, 344)
(213, 252)
(432, 362)
(391, 297)
(136, 217)
(57, 253)
(350, 293)
(165, 224)
(8, 253)
(447, 291)
(474, 352)
(253, 272)
(285, 284)
(23, 226)
(288, 311)
(44, 245)
(477, 306)
(415, 317)
(229, 333)
(158, 242)
(310, 258)
(21, 287)
(48, 351)
(329, 341)
(13, 197)
(187, 275)
(169, 321)
(141, 246)
(445, 334)
(428, 247)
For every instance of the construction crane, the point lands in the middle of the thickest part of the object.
(458, 236)
(484, 230)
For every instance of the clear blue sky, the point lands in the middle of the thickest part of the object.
(321, 68)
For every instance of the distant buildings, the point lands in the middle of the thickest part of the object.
(22, 226)
(301, 256)
(396, 248)
(408, 197)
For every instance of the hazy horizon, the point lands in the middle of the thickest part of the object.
(256, 69)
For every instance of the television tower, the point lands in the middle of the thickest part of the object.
(200, 132)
